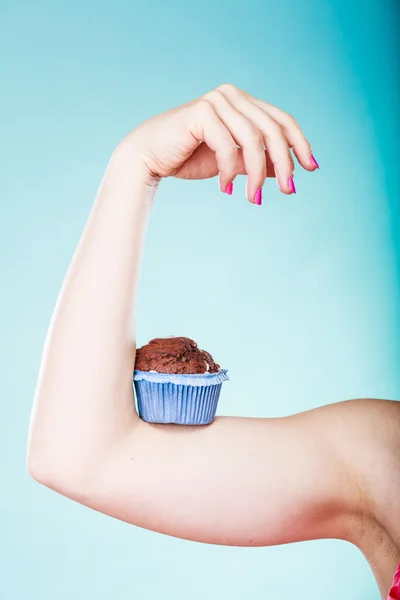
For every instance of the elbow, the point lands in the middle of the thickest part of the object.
(58, 475)
(39, 469)
(41, 459)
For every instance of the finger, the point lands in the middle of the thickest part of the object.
(293, 133)
(248, 137)
(268, 163)
(275, 141)
(208, 128)
(205, 157)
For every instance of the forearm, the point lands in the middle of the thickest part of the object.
(84, 398)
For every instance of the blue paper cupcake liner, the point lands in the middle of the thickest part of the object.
(181, 399)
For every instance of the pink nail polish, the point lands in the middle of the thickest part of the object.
(229, 189)
(292, 187)
(314, 162)
(258, 197)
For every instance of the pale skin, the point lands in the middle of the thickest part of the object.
(333, 472)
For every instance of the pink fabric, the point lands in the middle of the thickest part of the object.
(394, 593)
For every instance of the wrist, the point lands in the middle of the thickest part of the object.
(129, 157)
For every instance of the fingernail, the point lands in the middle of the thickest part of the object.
(229, 189)
(258, 197)
(292, 187)
(314, 162)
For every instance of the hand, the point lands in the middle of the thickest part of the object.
(229, 132)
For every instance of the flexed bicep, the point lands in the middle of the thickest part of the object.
(237, 481)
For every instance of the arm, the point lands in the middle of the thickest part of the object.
(237, 481)
(84, 399)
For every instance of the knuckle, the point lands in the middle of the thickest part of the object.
(287, 162)
(291, 120)
(308, 145)
(277, 145)
(291, 123)
(231, 173)
(231, 150)
(255, 137)
(276, 131)
(229, 153)
(213, 97)
(204, 107)
(283, 157)
(226, 88)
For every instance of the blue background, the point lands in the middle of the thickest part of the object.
(306, 286)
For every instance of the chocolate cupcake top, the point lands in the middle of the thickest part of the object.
(179, 355)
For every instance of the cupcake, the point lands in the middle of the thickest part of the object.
(176, 382)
